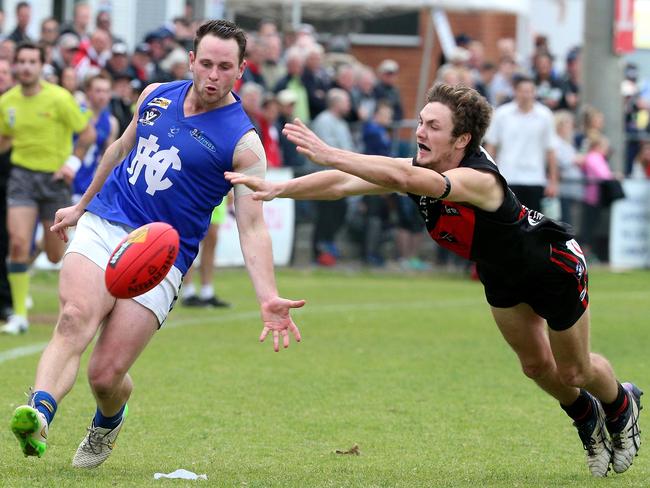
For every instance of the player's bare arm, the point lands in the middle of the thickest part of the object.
(115, 153)
(249, 158)
(323, 185)
(5, 143)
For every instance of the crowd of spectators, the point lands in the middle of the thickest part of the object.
(354, 106)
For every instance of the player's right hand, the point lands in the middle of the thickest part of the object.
(262, 189)
(64, 218)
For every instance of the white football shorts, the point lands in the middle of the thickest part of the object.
(97, 238)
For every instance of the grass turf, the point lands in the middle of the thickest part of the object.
(411, 369)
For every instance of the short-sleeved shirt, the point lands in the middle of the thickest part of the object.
(522, 140)
(41, 126)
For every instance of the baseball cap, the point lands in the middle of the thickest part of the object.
(68, 41)
(285, 97)
(143, 47)
(388, 66)
(119, 48)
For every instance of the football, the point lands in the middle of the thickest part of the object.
(141, 260)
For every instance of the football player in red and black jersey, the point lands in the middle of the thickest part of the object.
(533, 270)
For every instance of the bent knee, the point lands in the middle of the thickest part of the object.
(73, 322)
(574, 375)
(54, 255)
(105, 379)
(537, 369)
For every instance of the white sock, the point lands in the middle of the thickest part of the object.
(189, 290)
(207, 291)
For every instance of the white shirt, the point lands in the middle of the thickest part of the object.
(522, 140)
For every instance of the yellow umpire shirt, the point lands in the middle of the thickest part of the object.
(41, 126)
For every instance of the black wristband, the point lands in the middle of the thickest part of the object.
(445, 194)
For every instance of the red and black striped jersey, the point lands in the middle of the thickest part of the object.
(509, 236)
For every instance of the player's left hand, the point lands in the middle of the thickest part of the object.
(307, 142)
(276, 318)
(65, 173)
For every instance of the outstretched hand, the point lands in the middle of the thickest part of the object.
(64, 218)
(276, 318)
(262, 189)
(307, 142)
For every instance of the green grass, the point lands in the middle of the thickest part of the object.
(409, 368)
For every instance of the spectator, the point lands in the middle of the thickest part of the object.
(593, 123)
(141, 62)
(7, 49)
(49, 31)
(386, 87)
(363, 94)
(374, 210)
(122, 100)
(316, 79)
(595, 223)
(549, 91)
(118, 63)
(104, 22)
(251, 95)
(520, 136)
(158, 50)
(502, 86)
(93, 54)
(331, 126)
(80, 22)
(254, 61)
(269, 134)
(290, 156)
(23, 17)
(486, 75)
(571, 81)
(569, 161)
(641, 166)
(293, 81)
(345, 80)
(64, 52)
(273, 70)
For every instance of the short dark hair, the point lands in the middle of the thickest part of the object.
(20, 5)
(223, 29)
(470, 111)
(520, 78)
(30, 45)
(88, 82)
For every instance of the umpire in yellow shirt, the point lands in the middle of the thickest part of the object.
(37, 120)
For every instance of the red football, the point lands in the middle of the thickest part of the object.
(141, 260)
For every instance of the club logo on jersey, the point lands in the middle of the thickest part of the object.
(534, 217)
(149, 116)
(160, 102)
(155, 162)
(173, 130)
(204, 141)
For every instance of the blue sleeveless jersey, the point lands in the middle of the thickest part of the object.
(174, 173)
(89, 164)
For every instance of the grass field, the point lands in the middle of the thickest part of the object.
(409, 368)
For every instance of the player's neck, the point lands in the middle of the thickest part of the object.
(31, 89)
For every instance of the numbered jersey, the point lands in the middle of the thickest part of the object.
(174, 173)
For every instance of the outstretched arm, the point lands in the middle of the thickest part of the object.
(459, 184)
(258, 256)
(323, 185)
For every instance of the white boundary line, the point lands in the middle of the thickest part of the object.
(36, 348)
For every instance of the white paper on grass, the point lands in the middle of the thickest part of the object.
(182, 474)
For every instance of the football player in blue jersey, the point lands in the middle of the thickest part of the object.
(167, 166)
(533, 271)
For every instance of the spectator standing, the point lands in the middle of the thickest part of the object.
(571, 81)
(331, 126)
(43, 166)
(23, 17)
(272, 69)
(549, 90)
(92, 54)
(49, 31)
(293, 81)
(80, 25)
(641, 165)
(363, 95)
(569, 161)
(286, 104)
(386, 87)
(316, 79)
(269, 133)
(521, 138)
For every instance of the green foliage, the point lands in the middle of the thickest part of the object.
(411, 369)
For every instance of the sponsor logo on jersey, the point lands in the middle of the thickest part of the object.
(534, 217)
(155, 162)
(204, 141)
(149, 116)
(446, 236)
(160, 102)
(451, 210)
